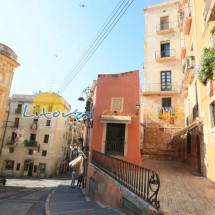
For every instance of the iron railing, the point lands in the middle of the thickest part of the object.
(187, 13)
(30, 143)
(144, 182)
(165, 53)
(114, 148)
(154, 87)
(18, 110)
(207, 6)
(165, 26)
(189, 64)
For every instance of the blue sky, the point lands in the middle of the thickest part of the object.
(37, 30)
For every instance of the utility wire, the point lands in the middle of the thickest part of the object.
(92, 42)
(97, 45)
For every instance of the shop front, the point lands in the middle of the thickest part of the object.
(8, 167)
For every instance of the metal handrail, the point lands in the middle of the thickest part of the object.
(144, 182)
(165, 53)
(165, 26)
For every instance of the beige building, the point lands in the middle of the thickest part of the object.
(35, 146)
(196, 23)
(163, 107)
(8, 63)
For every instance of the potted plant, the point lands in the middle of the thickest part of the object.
(205, 70)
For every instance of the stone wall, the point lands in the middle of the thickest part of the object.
(159, 145)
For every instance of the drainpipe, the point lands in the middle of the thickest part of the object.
(8, 113)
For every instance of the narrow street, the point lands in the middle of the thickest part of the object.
(183, 191)
(22, 196)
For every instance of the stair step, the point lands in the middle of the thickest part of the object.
(74, 206)
(104, 211)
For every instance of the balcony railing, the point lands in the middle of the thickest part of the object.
(165, 53)
(18, 110)
(188, 69)
(187, 20)
(15, 125)
(209, 11)
(155, 87)
(165, 28)
(11, 143)
(30, 143)
(144, 182)
(114, 148)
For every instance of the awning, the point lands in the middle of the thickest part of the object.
(75, 161)
(115, 119)
(184, 130)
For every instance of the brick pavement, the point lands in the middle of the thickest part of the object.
(183, 191)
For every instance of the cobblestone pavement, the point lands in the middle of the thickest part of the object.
(183, 191)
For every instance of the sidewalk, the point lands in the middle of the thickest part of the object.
(183, 191)
(66, 200)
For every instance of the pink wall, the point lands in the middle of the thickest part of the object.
(126, 85)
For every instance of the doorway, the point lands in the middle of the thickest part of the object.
(28, 168)
(115, 139)
(198, 153)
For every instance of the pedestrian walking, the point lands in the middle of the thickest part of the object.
(80, 179)
(73, 176)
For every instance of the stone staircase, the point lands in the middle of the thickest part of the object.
(66, 200)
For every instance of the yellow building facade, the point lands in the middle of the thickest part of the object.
(8, 63)
(196, 20)
(36, 146)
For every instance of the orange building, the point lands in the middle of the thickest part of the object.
(116, 120)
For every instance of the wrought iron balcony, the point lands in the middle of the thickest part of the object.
(143, 182)
(114, 148)
(18, 110)
(160, 88)
(165, 55)
(183, 48)
(209, 10)
(165, 28)
(30, 143)
(11, 143)
(187, 20)
(188, 70)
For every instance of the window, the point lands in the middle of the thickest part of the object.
(19, 106)
(46, 138)
(165, 49)
(33, 137)
(212, 109)
(35, 168)
(35, 121)
(48, 122)
(16, 123)
(166, 102)
(30, 151)
(11, 150)
(17, 166)
(44, 153)
(13, 136)
(166, 83)
(164, 23)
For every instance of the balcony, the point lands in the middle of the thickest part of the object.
(188, 70)
(15, 125)
(30, 143)
(183, 48)
(165, 55)
(34, 126)
(209, 10)
(187, 20)
(166, 28)
(159, 89)
(12, 143)
(18, 110)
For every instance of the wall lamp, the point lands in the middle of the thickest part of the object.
(137, 107)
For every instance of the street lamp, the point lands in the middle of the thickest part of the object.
(137, 107)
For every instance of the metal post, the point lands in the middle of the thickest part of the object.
(8, 113)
